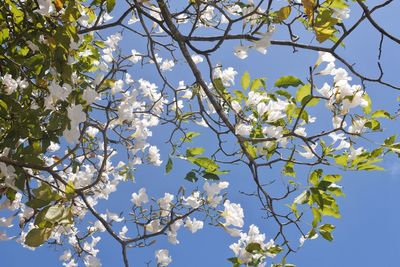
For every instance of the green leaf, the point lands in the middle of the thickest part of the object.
(286, 81)
(206, 163)
(302, 198)
(70, 190)
(367, 109)
(282, 14)
(190, 152)
(169, 165)
(380, 114)
(210, 176)
(253, 247)
(315, 176)
(37, 237)
(110, 5)
(218, 84)
(245, 81)
(189, 136)
(54, 213)
(302, 92)
(257, 83)
(332, 178)
(191, 177)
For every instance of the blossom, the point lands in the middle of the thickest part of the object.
(325, 57)
(233, 214)
(227, 75)
(214, 189)
(53, 147)
(252, 236)
(66, 256)
(165, 203)
(236, 106)
(243, 129)
(45, 7)
(241, 51)
(163, 258)
(90, 95)
(92, 131)
(172, 232)
(197, 59)
(301, 131)
(193, 200)
(139, 198)
(265, 41)
(357, 126)
(10, 84)
(193, 225)
(76, 114)
(309, 151)
(91, 261)
(154, 156)
(154, 226)
(167, 65)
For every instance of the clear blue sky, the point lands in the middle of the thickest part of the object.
(366, 235)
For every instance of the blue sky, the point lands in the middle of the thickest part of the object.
(366, 235)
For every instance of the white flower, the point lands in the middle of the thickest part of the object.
(11, 85)
(172, 232)
(154, 156)
(6, 222)
(45, 7)
(113, 217)
(355, 152)
(309, 153)
(301, 131)
(325, 91)
(243, 129)
(182, 18)
(325, 57)
(163, 258)
(165, 203)
(357, 126)
(72, 135)
(233, 214)
(139, 198)
(122, 233)
(214, 189)
(66, 256)
(241, 51)
(128, 79)
(193, 200)
(92, 131)
(154, 226)
(76, 114)
(167, 65)
(335, 137)
(136, 56)
(252, 236)
(91, 261)
(265, 41)
(341, 13)
(117, 87)
(236, 106)
(53, 147)
(193, 225)
(262, 108)
(90, 95)
(133, 19)
(197, 59)
(227, 75)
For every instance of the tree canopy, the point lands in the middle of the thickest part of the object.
(86, 86)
